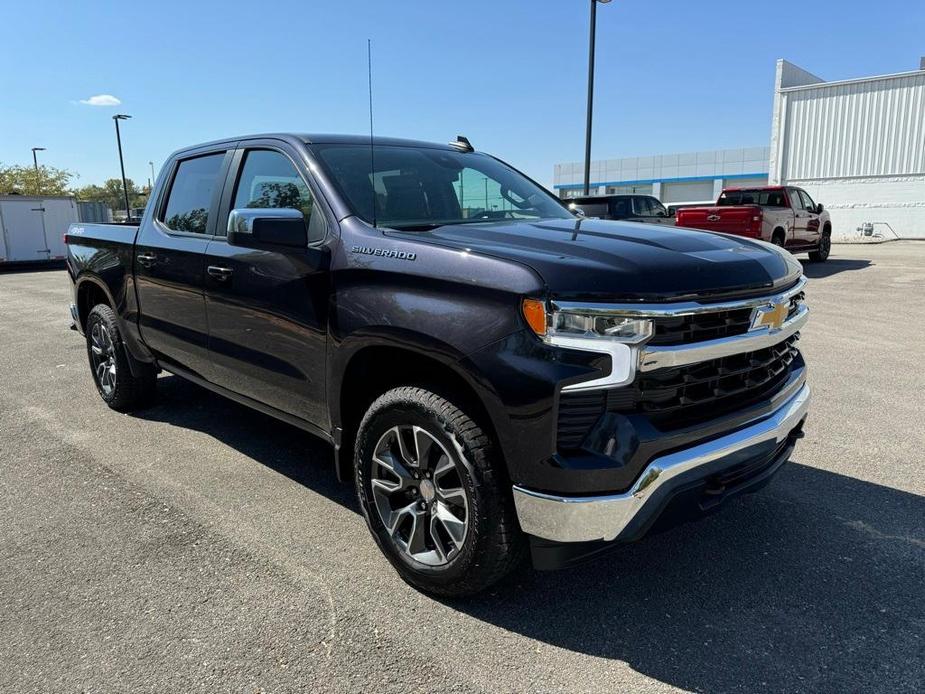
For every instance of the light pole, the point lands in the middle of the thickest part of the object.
(153, 177)
(590, 94)
(116, 118)
(35, 161)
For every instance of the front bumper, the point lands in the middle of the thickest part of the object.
(625, 516)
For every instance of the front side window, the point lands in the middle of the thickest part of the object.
(190, 195)
(807, 201)
(269, 179)
(427, 187)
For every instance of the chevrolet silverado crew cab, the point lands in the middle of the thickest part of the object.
(783, 215)
(497, 377)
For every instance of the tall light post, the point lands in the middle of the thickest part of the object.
(35, 162)
(128, 210)
(590, 94)
(153, 177)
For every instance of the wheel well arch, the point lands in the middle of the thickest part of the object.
(89, 294)
(779, 231)
(373, 370)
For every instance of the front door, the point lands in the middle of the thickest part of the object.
(267, 308)
(801, 219)
(813, 230)
(169, 264)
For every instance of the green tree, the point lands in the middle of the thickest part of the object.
(24, 181)
(111, 194)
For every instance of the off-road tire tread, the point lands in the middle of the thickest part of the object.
(502, 545)
(132, 391)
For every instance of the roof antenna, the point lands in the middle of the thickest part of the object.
(372, 148)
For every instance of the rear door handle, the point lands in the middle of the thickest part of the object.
(146, 259)
(219, 273)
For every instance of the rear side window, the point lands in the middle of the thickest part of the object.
(190, 196)
(765, 198)
(268, 179)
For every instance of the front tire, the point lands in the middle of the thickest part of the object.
(115, 381)
(822, 253)
(432, 492)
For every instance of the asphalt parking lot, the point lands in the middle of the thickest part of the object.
(200, 546)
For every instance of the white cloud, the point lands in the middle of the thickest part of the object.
(101, 100)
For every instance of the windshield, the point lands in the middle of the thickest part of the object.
(765, 198)
(423, 188)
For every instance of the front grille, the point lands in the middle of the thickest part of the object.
(682, 396)
(680, 330)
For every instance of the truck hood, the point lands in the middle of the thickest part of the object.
(602, 260)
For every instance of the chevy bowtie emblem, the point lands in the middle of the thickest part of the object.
(771, 316)
(713, 218)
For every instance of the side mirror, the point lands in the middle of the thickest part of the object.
(261, 227)
(819, 208)
(576, 210)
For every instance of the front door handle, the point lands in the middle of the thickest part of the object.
(219, 273)
(146, 259)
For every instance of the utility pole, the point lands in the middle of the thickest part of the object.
(128, 210)
(590, 94)
(38, 175)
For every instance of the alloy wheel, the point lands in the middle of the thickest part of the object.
(419, 496)
(103, 353)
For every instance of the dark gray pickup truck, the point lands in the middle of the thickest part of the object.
(496, 376)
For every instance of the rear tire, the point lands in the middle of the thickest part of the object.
(779, 239)
(113, 376)
(821, 254)
(433, 494)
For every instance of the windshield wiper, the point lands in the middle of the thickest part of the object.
(423, 226)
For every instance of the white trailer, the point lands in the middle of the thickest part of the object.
(32, 228)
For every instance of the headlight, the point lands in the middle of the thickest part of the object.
(590, 330)
(605, 327)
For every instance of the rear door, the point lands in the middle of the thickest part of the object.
(170, 261)
(267, 308)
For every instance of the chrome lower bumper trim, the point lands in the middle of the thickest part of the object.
(580, 519)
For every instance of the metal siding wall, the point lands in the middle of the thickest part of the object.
(856, 129)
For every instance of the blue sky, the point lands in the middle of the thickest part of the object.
(676, 75)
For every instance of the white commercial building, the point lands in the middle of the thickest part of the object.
(688, 177)
(857, 146)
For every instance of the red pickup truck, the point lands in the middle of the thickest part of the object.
(783, 215)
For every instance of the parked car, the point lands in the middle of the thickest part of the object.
(783, 215)
(490, 385)
(629, 208)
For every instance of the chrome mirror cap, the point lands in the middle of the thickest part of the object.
(241, 220)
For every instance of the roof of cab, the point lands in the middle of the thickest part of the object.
(321, 138)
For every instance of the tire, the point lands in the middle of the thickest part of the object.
(407, 485)
(115, 381)
(821, 254)
(779, 239)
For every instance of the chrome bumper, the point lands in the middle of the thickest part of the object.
(579, 519)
